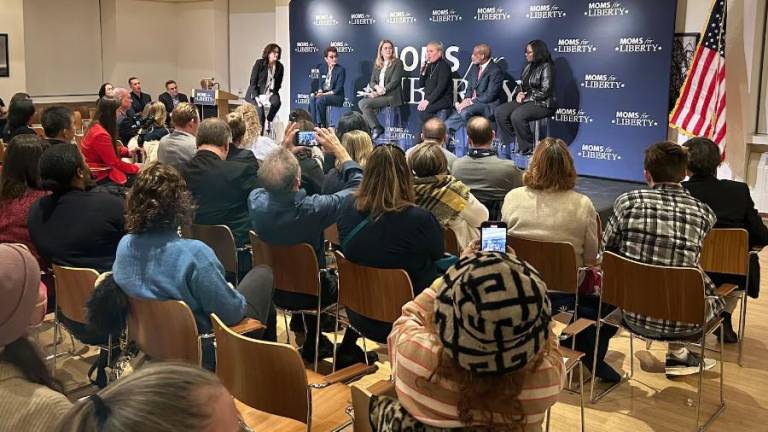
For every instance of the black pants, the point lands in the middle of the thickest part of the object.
(275, 103)
(512, 119)
(435, 111)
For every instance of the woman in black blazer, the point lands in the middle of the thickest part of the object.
(385, 84)
(266, 79)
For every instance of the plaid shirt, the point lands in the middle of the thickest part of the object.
(662, 226)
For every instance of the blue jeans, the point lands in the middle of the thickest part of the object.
(318, 104)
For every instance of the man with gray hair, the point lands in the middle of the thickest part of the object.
(125, 114)
(435, 78)
(283, 214)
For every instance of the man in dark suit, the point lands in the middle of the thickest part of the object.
(483, 93)
(329, 89)
(436, 80)
(171, 97)
(138, 99)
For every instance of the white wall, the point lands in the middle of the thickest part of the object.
(252, 25)
(12, 22)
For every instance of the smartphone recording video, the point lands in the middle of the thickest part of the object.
(493, 236)
(307, 139)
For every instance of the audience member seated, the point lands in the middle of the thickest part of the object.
(664, 225)
(154, 263)
(20, 114)
(237, 150)
(488, 177)
(101, 149)
(261, 146)
(349, 121)
(138, 99)
(449, 200)
(158, 397)
(19, 189)
(3, 115)
(548, 209)
(476, 344)
(733, 206)
(75, 226)
(359, 146)
(283, 214)
(434, 130)
(32, 399)
(155, 130)
(106, 89)
(171, 98)
(311, 175)
(58, 125)
(220, 187)
(125, 115)
(180, 146)
(381, 226)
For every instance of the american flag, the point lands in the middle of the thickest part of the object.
(700, 109)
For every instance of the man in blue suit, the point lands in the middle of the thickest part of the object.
(329, 89)
(483, 93)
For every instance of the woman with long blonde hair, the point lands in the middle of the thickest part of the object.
(156, 130)
(359, 146)
(261, 146)
(385, 86)
(381, 226)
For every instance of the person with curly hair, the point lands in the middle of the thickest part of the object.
(261, 146)
(153, 262)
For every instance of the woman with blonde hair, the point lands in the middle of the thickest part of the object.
(385, 86)
(447, 198)
(261, 146)
(359, 146)
(381, 226)
(237, 150)
(155, 130)
(158, 398)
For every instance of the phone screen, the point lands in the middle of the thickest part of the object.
(493, 238)
(307, 139)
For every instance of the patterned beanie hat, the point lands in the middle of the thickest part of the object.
(492, 312)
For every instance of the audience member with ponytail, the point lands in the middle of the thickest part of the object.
(30, 399)
(20, 114)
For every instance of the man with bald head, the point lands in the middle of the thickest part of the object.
(434, 130)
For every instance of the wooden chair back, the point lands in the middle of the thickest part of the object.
(373, 292)
(74, 287)
(294, 268)
(78, 121)
(555, 261)
(726, 251)
(39, 131)
(165, 330)
(91, 113)
(451, 242)
(668, 293)
(220, 239)
(331, 235)
(266, 376)
(2, 151)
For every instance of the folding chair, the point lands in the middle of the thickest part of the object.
(222, 241)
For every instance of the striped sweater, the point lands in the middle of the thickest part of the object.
(29, 407)
(414, 354)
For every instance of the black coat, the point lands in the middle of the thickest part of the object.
(167, 100)
(138, 103)
(437, 82)
(537, 81)
(259, 75)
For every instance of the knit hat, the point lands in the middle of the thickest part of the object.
(19, 286)
(492, 312)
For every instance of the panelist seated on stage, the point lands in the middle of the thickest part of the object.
(266, 80)
(329, 88)
(139, 99)
(384, 88)
(483, 93)
(172, 97)
(533, 99)
(435, 79)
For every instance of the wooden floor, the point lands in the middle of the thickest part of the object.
(649, 403)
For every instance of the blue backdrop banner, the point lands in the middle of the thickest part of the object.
(612, 62)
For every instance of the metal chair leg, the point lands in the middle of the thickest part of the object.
(742, 325)
(701, 378)
(581, 394)
(365, 350)
(317, 331)
(598, 323)
(548, 414)
(55, 344)
(335, 338)
(631, 355)
(287, 329)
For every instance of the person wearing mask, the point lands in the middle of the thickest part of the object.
(138, 99)
(20, 187)
(732, 203)
(331, 87)
(266, 80)
(180, 146)
(101, 149)
(30, 398)
(534, 98)
(20, 115)
(58, 124)
(448, 199)
(171, 98)
(158, 397)
(385, 86)
(75, 226)
(182, 269)
(476, 343)
(435, 78)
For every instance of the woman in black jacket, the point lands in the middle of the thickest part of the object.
(266, 79)
(533, 98)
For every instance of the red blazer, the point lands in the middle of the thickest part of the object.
(100, 156)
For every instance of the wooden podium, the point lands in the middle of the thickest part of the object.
(222, 102)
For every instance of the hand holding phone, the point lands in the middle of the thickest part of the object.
(306, 139)
(493, 236)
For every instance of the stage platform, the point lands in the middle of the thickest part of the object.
(603, 192)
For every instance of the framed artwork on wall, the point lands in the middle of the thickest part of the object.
(4, 60)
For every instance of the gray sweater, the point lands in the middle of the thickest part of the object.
(489, 178)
